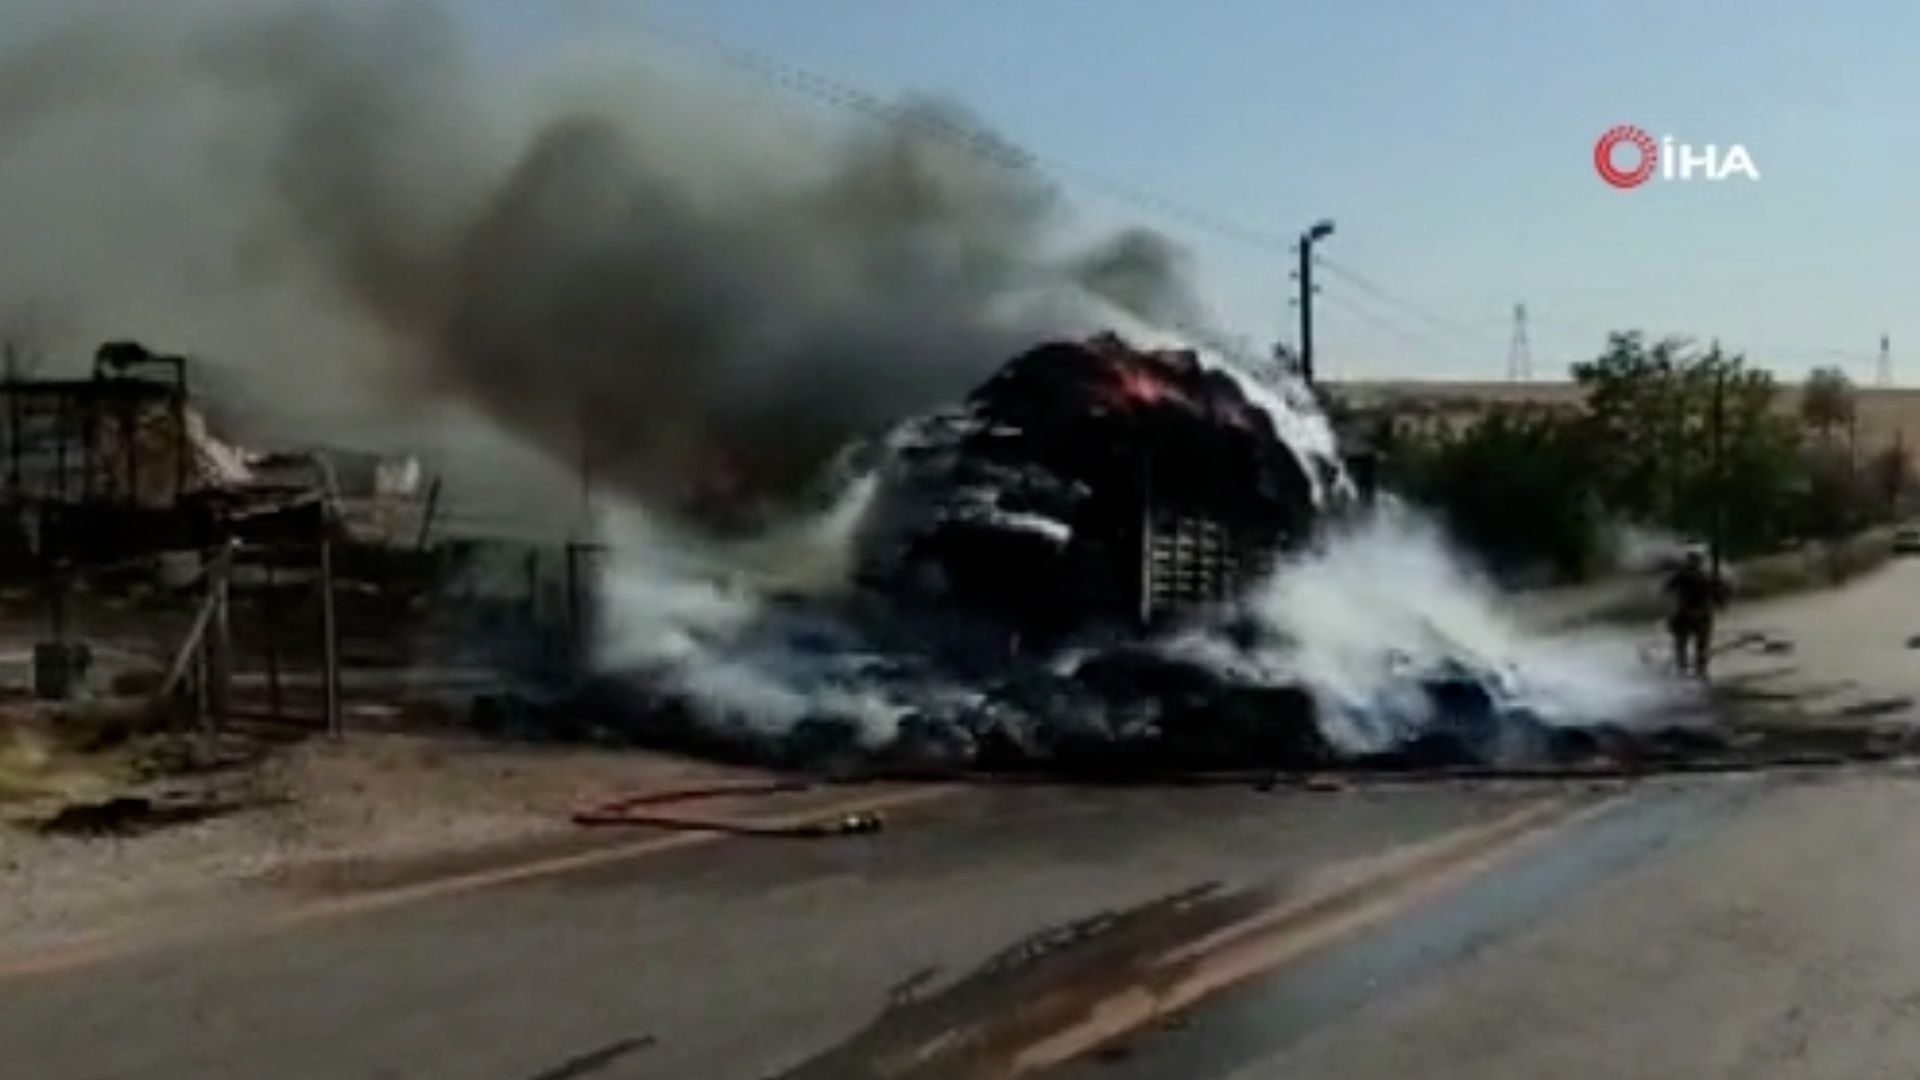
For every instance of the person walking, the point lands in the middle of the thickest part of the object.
(1695, 593)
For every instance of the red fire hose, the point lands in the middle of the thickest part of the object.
(644, 811)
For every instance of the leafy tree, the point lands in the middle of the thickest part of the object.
(1692, 438)
(1827, 402)
(1890, 478)
(1515, 487)
(1836, 499)
(1670, 435)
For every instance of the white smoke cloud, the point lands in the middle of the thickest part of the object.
(1640, 548)
(693, 619)
(1361, 620)
(1388, 598)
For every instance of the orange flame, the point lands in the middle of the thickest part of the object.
(1132, 384)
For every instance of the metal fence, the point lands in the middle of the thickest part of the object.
(317, 635)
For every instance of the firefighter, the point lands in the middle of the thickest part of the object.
(1696, 593)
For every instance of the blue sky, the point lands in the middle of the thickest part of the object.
(1452, 144)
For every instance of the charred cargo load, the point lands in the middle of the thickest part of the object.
(1090, 483)
(1017, 559)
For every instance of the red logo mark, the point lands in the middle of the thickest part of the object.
(1641, 142)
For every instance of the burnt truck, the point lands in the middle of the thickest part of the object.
(1090, 483)
(1024, 572)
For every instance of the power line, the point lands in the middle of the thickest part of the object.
(1442, 340)
(1374, 321)
(988, 147)
(1389, 297)
(786, 76)
(783, 75)
(1423, 340)
(1433, 338)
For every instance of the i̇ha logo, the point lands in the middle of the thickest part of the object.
(1643, 159)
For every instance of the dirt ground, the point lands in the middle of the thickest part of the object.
(370, 796)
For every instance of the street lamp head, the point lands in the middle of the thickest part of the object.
(1321, 230)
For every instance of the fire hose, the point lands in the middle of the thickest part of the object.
(647, 811)
(650, 810)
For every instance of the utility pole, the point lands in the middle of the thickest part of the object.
(329, 644)
(1305, 276)
(585, 421)
(1883, 369)
(582, 551)
(1897, 474)
(1717, 426)
(1320, 231)
(12, 350)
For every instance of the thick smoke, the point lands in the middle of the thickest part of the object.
(1640, 549)
(1363, 622)
(1390, 596)
(360, 210)
(371, 229)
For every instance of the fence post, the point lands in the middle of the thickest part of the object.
(583, 599)
(219, 640)
(330, 643)
(268, 613)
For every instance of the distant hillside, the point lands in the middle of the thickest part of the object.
(1883, 415)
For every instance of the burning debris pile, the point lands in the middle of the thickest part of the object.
(1103, 554)
(1087, 483)
(1084, 566)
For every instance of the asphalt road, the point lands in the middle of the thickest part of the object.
(1779, 940)
(1851, 640)
(1751, 927)
(736, 959)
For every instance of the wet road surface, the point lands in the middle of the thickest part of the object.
(1192, 934)
(743, 958)
(1779, 941)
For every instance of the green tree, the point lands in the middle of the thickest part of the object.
(1514, 487)
(1835, 499)
(1693, 441)
(1827, 402)
(1890, 478)
(1669, 434)
(1636, 408)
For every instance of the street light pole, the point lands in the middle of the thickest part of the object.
(1717, 448)
(1320, 231)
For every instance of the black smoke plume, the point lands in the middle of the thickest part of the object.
(354, 210)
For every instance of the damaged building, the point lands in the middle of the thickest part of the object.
(121, 463)
(115, 464)
(118, 489)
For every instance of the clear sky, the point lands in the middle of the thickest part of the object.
(1451, 143)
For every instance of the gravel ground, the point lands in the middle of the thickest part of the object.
(371, 797)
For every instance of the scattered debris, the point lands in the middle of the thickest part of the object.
(1035, 593)
(128, 815)
(1883, 706)
(595, 1061)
